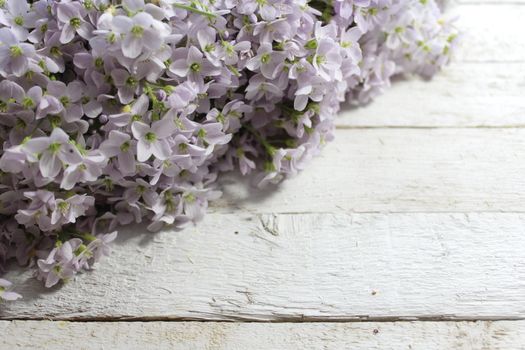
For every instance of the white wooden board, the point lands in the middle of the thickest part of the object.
(299, 267)
(491, 32)
(255, 336)
(400, 170)
(484, 2)
(416, 212)
(484, 85)
(463, 95)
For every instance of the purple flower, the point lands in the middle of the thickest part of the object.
(88, 170)
(213, 134)
(349, 42)
(15, 56)
(19, 17)
(137, 111)
(52, 152)
(59, 265)
(99, 247)
(259, 88)
(68, 96)
(38, 211)
(268, 9)
(71, 17)
(152, 139)
(127, 84)
(193, 65)
(13, 160)
(120, 145)
(269, 62)
(327, 60)
(6, 292)
(68, 210)
(400, 32)
(370, 15)
(230, 51)
(140, 32)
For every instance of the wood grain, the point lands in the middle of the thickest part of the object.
(484, 2)
(400, 170)
(397, 222)
(490, 32)
(230, 336)
(462, 95)
(484, 86)
(302, 267)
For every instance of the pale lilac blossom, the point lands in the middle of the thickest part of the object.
(52, 153)
(152, 139)
(6, 292)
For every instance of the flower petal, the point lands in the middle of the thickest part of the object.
(139, 129)
(68, 33)
(144, 151)
(50, 165)
(161, 149)
(132, 46)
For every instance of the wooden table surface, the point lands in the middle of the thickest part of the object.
(408, 232)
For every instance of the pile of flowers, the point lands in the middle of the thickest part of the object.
(125, 111)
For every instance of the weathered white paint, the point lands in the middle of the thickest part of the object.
(484, 2)
(462, 95)
(477, 89)
(400, 170)
(303, 267)
(491, 32)
(500, 335)
(243, 265)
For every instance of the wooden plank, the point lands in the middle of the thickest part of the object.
(503, 335)
(477, 89)
(462, 95)
(340, 266)
(485, 2)
(296, 267)
(490, 32)
(401, 170)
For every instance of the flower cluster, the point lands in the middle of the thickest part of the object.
(125, 111)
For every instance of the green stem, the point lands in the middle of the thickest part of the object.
(269, 148)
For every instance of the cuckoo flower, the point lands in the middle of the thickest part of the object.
(268, 61)
(327, 60)
(126, 83)
(88, 170)
(193, 66)
(6, 292)
(19, 17)
(52, 152)
(68, 210)
(59, 265)
(152, 140)
(71, 18)
(99, 245)
(15, 56)
(120, 145)
(141, 33)
(68, 96)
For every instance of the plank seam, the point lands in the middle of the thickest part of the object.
(240, 319)
(488, 3)
(423, 127)
(220, 211)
